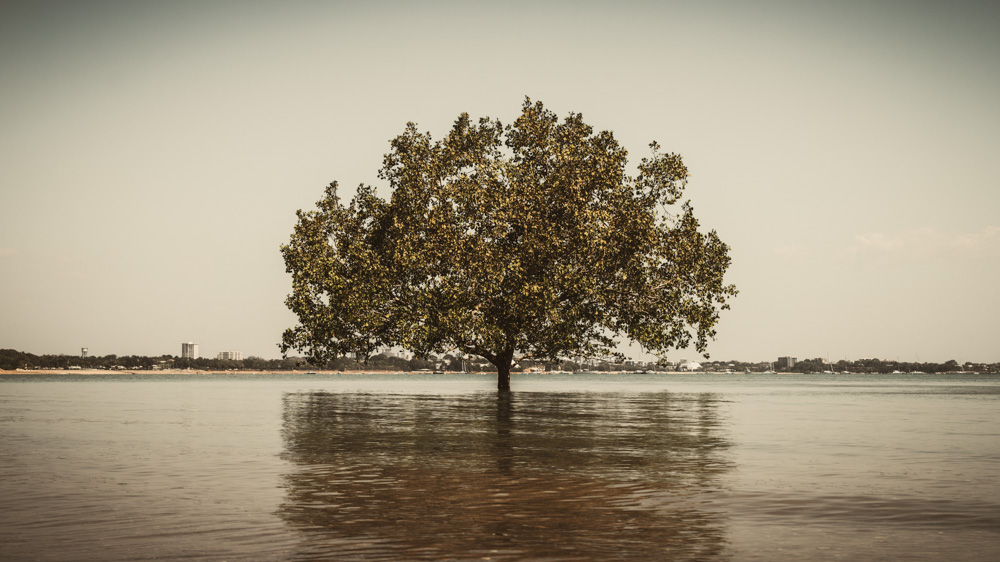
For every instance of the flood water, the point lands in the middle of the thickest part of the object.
(410, 467)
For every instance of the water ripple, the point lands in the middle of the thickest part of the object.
(554, 475)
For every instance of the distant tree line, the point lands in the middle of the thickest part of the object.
(860, 366)
(883, 366)
(11, 359)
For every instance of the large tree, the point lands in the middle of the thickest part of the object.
(507, 242)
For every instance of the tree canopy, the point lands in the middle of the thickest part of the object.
(507, 242)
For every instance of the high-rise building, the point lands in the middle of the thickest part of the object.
(786, 362)
(189, 350)
(231, 355)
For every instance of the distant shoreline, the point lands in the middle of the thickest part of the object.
(192, 372)
(197, 372)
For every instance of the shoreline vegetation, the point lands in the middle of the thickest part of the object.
(18, 362)
(357, 372)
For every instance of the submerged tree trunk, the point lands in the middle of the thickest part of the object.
(502, 364)
(503, 379)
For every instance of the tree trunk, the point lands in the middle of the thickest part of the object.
(503, 378)
(503, 371)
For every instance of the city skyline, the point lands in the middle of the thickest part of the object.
(153, 156)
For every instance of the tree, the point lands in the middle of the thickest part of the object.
(507, 242)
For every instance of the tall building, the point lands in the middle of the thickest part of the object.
(231, 355)
(786, 362)
(189, 350)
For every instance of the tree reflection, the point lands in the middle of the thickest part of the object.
(530, 475)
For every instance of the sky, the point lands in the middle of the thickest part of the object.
(153, 154)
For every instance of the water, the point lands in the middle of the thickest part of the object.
(389, 467)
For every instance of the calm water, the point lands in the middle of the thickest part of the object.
(570, 467)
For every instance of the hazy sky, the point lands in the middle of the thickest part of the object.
(153, 154)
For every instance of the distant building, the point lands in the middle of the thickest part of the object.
(786, 362)
(83, 352)
(231, 355)
(686, 365)
(402, 354)
(189, 350)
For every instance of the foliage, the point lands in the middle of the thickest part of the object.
(507, 242)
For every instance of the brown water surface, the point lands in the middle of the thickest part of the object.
(588, 467)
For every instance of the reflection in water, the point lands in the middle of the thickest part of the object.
(532, 475)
